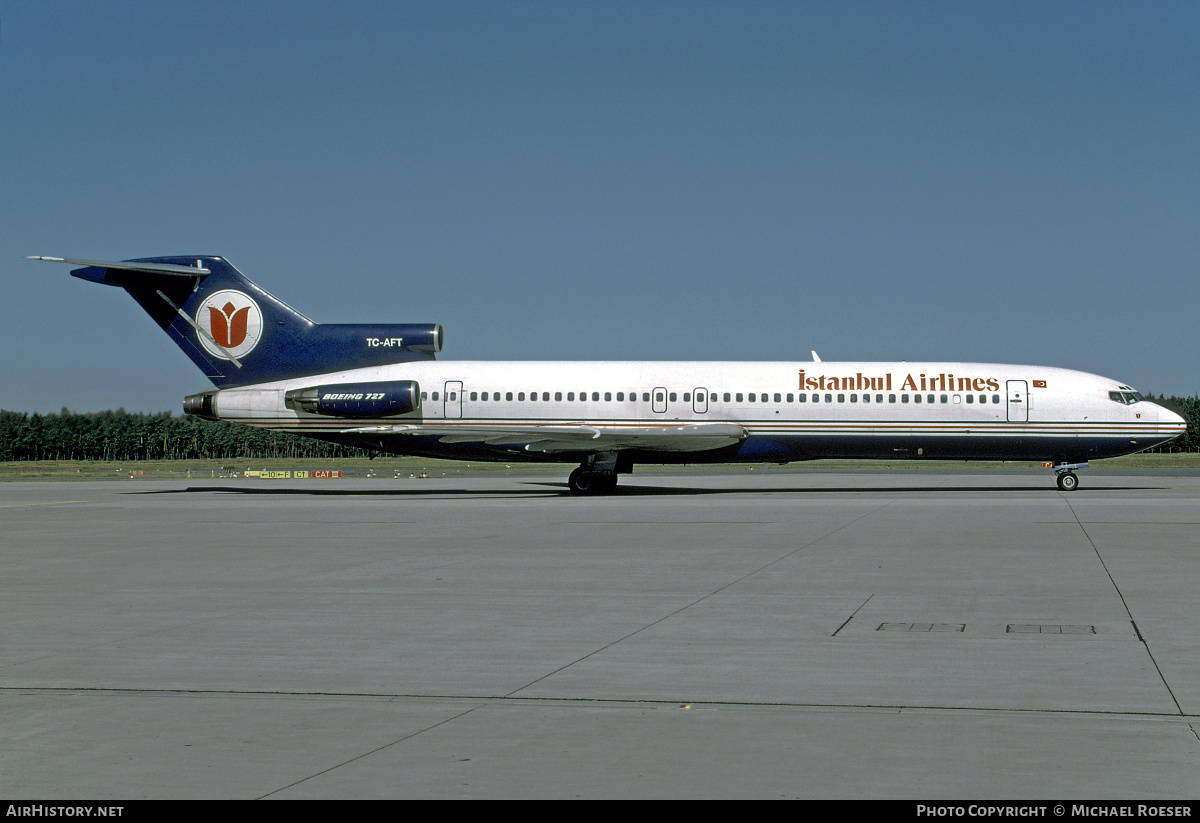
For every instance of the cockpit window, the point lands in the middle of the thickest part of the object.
(1126, 398)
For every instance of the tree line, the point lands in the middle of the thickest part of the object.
(119, 435)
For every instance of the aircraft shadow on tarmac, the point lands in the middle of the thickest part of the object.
(551, 489)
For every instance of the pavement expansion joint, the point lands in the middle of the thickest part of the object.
(478, 701)
(1125, 603)
(712, 593)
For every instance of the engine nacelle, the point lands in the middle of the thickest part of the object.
(424, 338)
(382, 399)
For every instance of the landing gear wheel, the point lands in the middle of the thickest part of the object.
(1068, 482)
(582, 481)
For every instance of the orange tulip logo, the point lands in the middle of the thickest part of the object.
(228, 324)
(231, 324)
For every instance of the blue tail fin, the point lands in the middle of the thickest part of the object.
(239, 334)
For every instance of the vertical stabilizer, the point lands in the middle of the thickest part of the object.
(238, 334)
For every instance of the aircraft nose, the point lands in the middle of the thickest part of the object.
(1167, 417)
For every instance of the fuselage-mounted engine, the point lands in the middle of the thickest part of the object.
(382, 399)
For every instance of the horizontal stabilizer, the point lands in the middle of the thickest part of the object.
(127, 265)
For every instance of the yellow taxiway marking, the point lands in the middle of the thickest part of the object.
(47, 503)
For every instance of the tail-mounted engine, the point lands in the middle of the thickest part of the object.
(383, 399)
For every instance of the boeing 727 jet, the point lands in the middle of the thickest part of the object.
(379, 387)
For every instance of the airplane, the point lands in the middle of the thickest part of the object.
(379, 387)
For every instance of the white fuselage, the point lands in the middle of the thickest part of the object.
(788, 410)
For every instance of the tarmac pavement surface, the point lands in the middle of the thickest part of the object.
(817, 634)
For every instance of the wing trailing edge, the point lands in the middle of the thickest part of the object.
(577, 438)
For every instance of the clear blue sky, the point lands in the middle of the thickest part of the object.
(993, 181)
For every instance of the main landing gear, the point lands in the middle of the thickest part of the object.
(598, 474)
(1068, 481)
(583, 481)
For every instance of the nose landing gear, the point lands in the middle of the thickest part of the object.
(1067, 480)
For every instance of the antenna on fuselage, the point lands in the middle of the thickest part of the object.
(816, 357)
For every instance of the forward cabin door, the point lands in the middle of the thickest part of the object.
(1018, 401)
(453, 399)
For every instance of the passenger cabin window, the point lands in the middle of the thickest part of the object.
(608, 396)
(904, 398)
(778, 398)
(738, 397)
(802, 397)
(672, 397)
(570, 395)
(789, 399)
(435, 395)
(620, 396)
(557, 396)
(645, 397)
(726, 397)
(970, 398)
(595, 395)
(508, 395)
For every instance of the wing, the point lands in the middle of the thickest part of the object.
(577, 437)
